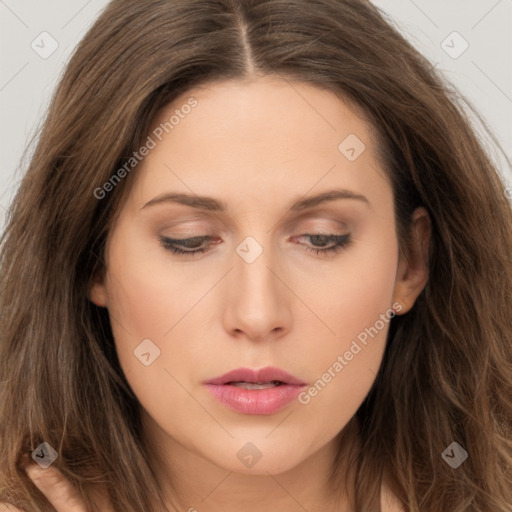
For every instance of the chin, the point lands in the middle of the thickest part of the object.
(248, 460)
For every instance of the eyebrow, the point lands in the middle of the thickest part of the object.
(215, 205)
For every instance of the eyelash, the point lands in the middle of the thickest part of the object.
(342, 241)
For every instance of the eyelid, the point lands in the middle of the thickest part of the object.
(177, 246)
(327, 223)
(336, 226)
(320, 213)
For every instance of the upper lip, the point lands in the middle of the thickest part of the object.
(267, 374)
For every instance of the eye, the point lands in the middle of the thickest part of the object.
(185, 245)
(194, 245)
(335, 242)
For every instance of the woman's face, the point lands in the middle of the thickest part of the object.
(260, 295)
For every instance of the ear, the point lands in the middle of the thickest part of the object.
(98, 291)
(413, 266)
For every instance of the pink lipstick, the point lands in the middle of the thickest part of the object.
(264, 391)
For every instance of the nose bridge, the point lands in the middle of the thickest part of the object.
(256, 283)
(256, 302)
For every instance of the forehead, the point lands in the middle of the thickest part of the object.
(255, 137)
(253, 110)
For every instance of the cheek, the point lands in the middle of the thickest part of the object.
(138, 309)
(356, 292)
(152, 299)
(357, 308)
(145, 306)
(148, 294)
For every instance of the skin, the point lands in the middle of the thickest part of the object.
(257, 145)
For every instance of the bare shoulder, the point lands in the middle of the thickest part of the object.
(389, 502)
(4, 507)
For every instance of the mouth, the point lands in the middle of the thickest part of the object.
(256, 385)
(268, 376)
(262, 392)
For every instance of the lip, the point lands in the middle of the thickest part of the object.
(267, 374)
(255, 401)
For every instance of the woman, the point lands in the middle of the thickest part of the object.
(259, 261)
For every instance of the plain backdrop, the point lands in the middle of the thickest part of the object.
(470, 41)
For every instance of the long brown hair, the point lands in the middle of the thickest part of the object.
(447, 370)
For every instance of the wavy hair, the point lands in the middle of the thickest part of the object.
(446, 375)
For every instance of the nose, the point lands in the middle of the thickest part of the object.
(257, 304)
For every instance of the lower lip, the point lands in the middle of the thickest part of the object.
(255, 401)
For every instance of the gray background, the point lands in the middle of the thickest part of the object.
(28, 74)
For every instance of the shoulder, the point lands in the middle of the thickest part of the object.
(389, 502)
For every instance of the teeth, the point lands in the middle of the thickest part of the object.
(255, 385)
